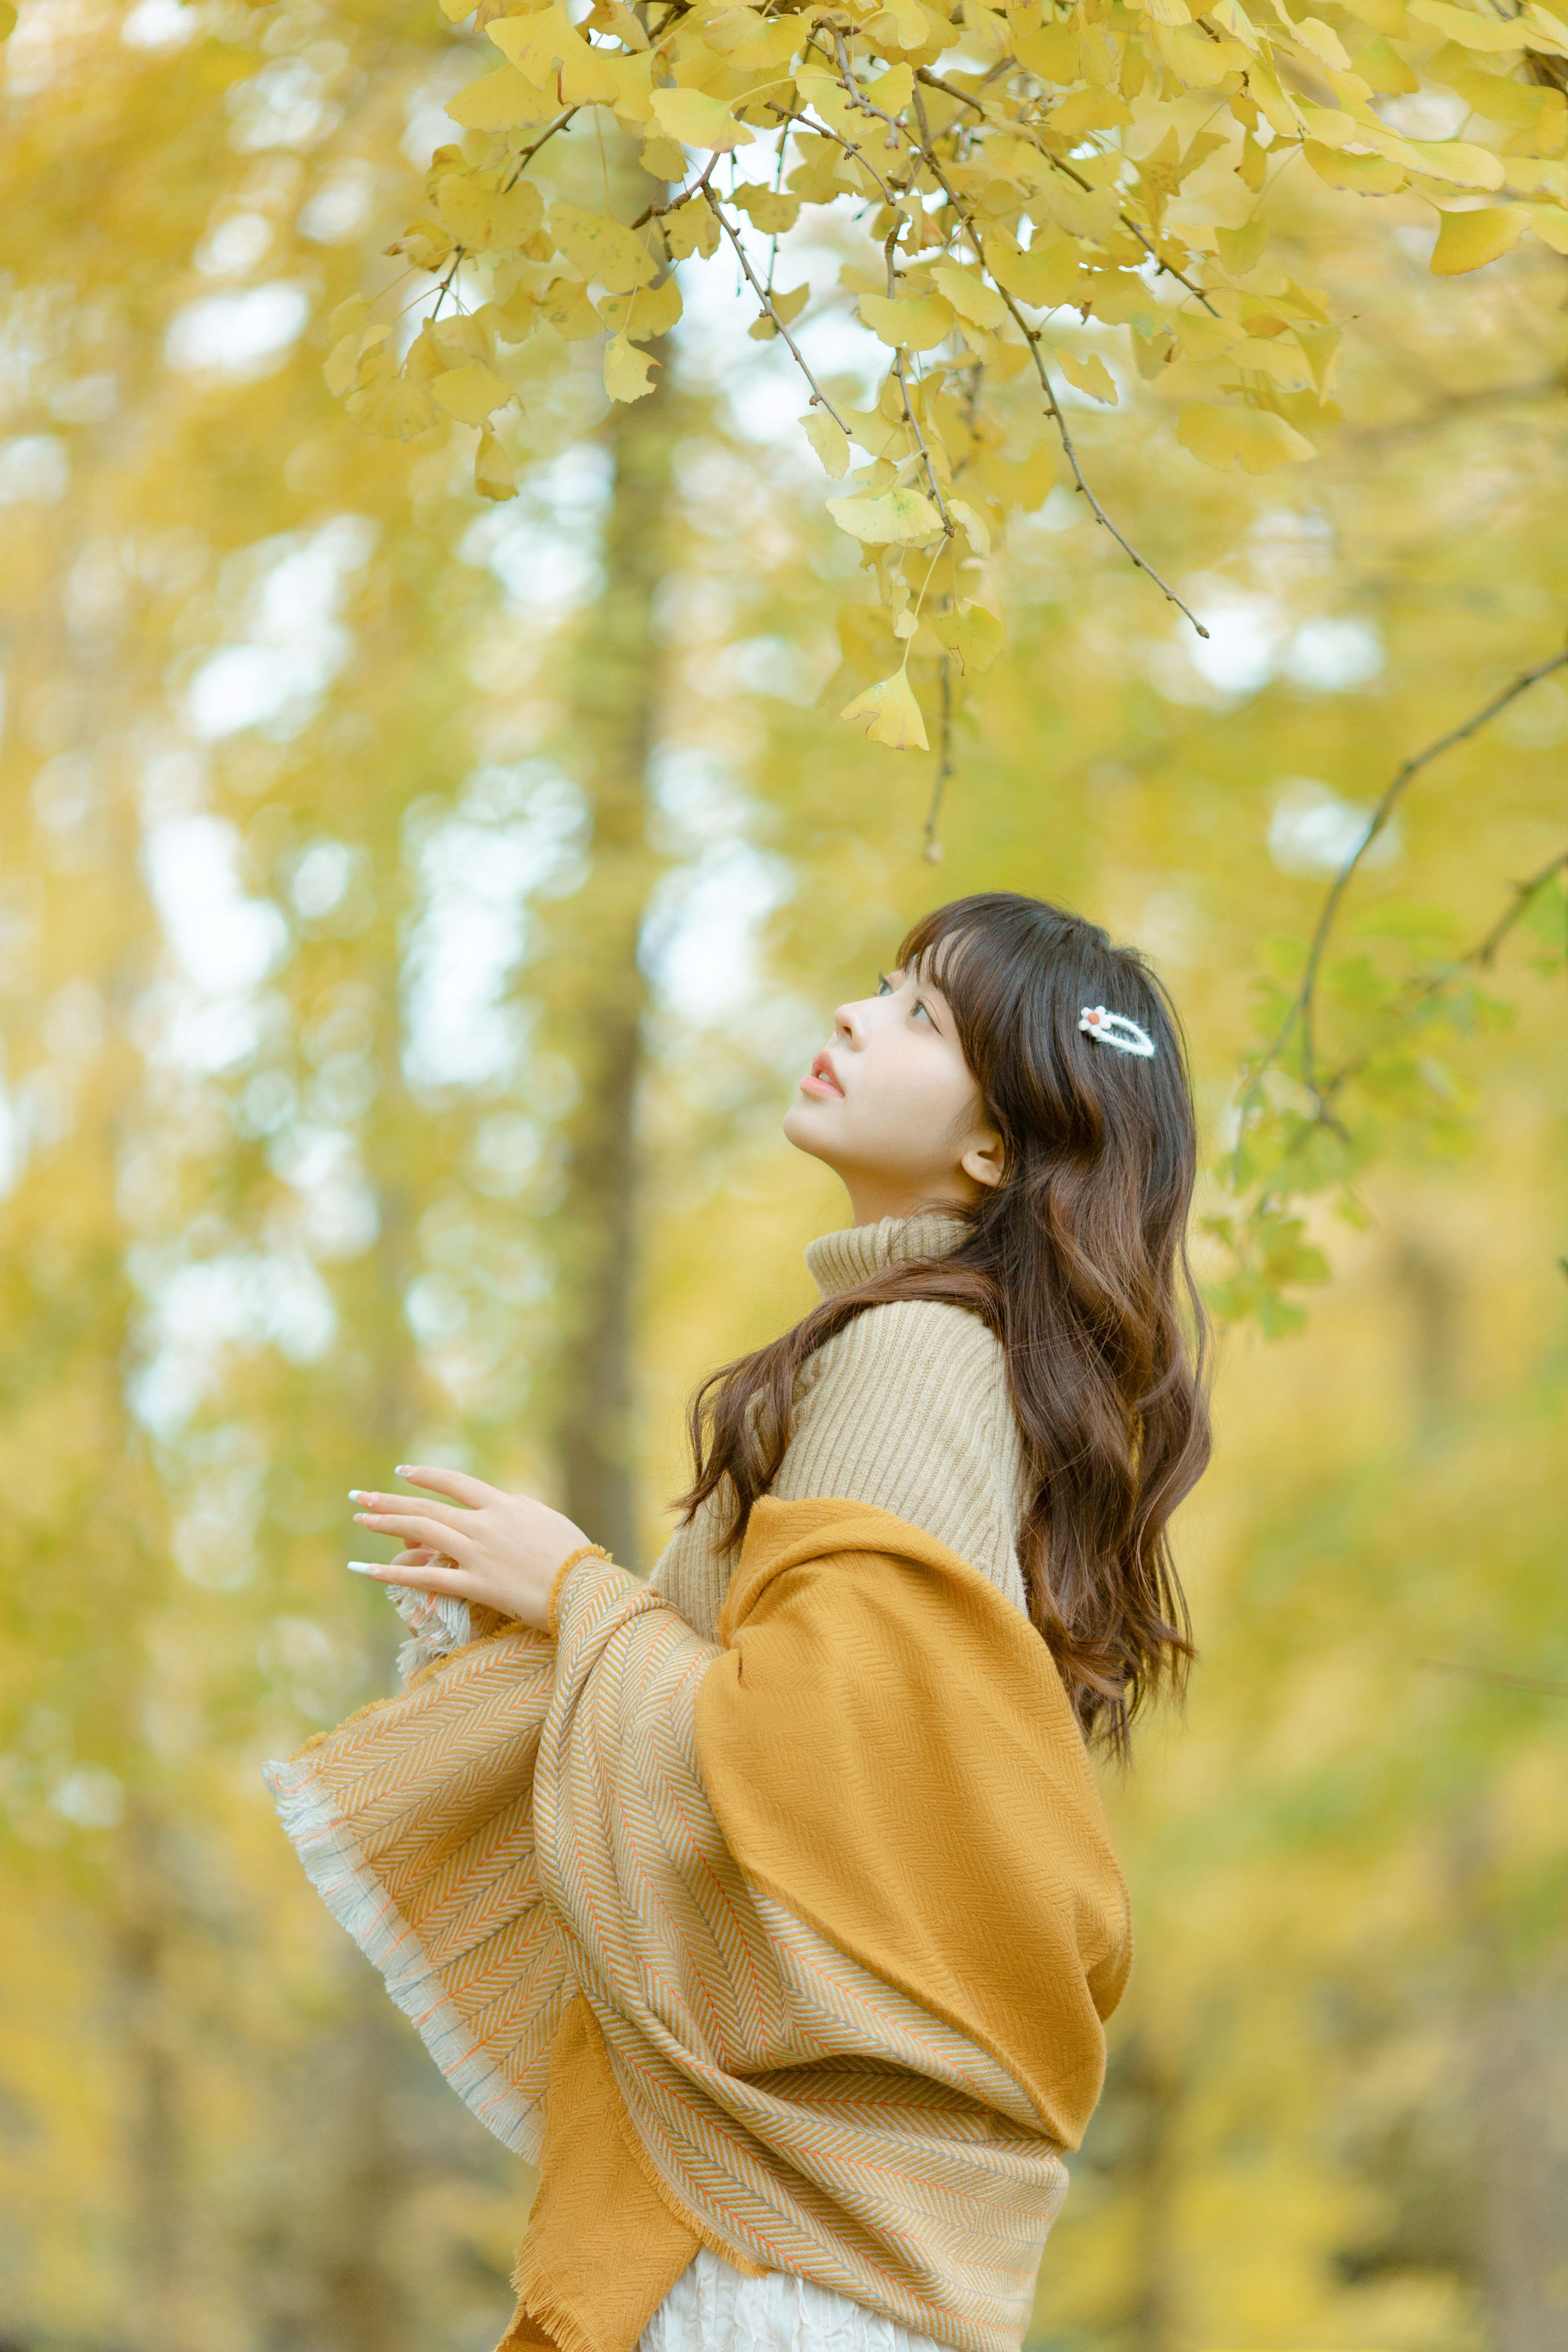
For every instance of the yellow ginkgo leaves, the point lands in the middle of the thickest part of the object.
(1092, 218)
(698, 121)
(470, 394)
(895, 518)
(890, 714)
(628, 368)
(827, 437)
(1469, 240)
(1256, 439)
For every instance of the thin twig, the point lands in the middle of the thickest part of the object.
(889, 246)
(1484, 952)
(818, 397)
(681, 196)
(1532, 1682)
(932, 850)
(936, 81)
(1032, 340)
(1521, 896)
(825, 130)
(1303, 1005)
(544, 137)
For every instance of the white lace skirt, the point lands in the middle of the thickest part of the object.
(713, 2307)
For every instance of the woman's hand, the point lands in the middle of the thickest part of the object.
(500, 1549)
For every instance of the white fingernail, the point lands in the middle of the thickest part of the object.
(356, 1494)
(363, 1567)
(401, 1469)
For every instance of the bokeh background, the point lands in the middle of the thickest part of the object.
(414, 915)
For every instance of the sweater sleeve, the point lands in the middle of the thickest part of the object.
(908, 1408)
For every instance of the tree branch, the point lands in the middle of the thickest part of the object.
(818, 397)
(1303, 1010)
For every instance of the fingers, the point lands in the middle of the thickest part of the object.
(369, 1501)
(426, 1579)
(416, 1530)
(456, 1483)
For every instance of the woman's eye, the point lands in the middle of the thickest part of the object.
(921, 1006)
(884, 985)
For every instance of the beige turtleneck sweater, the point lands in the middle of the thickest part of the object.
(908, 1408)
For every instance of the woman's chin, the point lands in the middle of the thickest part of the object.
(805, 1128)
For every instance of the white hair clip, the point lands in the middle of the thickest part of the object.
(1115, 1029)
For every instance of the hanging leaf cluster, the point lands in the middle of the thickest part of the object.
(1019, 174)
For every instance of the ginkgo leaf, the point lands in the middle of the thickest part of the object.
(650, 310)
(975, 636)
(503, 100)
(1090, 109)
(1323, 42)
(481, 218)
(894, 518)
(1550, 223)
(1256, 439)
(973, 523)
(1231, 17)
(1048, 275)
(783, 310)
(1469, 27)
(915, 324)
(893, 90)
(348, 316)
(1367, 176)
(890, 714)
(1456, 161)
(1241, 250)
(691, 228)
(698, 121)
(772, 210)
(601, 248)
(628, 370)
(565, 305)
(1469, 240)
(392, 408)
(535, 44)
(827, 438)
(969, 295)
(470, 394)
(494, 477)
(426, 244)
(341, 370)
(1091, 375)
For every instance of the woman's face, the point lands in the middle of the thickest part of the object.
(893, 1107)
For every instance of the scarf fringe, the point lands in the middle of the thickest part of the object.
(360, 1903)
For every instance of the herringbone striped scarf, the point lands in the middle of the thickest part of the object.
(838, 1898)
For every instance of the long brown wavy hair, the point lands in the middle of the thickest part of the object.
(1077, 1261)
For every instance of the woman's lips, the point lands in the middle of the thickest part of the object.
(821, 1079)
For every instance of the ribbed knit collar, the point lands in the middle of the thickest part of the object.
(839, 1261)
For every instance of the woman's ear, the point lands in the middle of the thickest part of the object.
(985, 1161)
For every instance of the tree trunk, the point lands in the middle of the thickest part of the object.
(598, 985)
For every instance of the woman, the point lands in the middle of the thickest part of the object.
(770, 1905)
